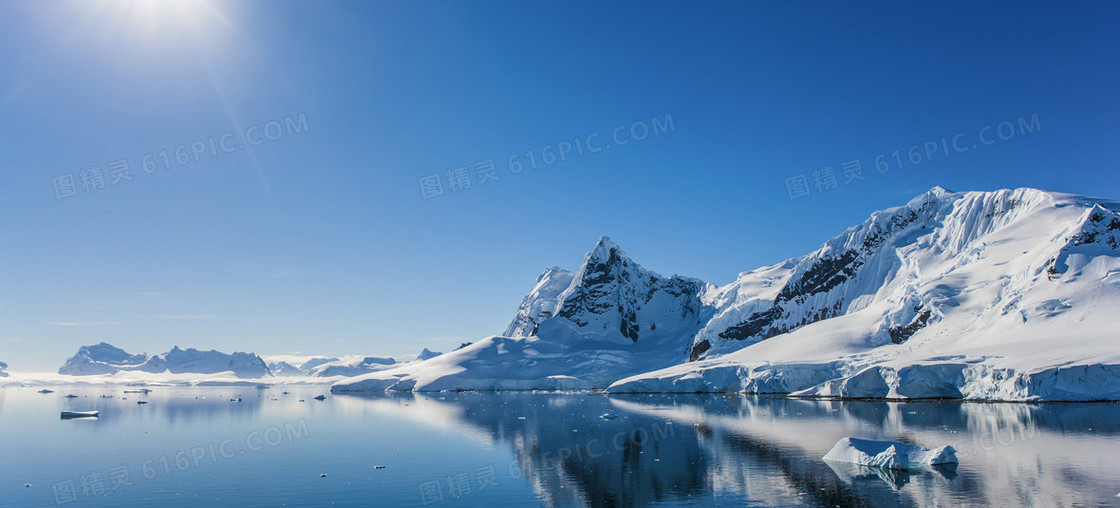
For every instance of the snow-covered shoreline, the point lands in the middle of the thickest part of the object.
(1058, 385)
(22, 379)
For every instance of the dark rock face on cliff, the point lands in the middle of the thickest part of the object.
(611, 299)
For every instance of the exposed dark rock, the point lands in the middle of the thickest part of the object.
(825, 274)
(754, 326)
(698, 349)
(899, 334)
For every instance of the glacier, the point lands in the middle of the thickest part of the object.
(1002, 295)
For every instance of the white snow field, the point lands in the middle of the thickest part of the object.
(1004, 295)
(889, 454)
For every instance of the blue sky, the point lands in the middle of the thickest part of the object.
(314, 237)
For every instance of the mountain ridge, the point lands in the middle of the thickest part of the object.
(104, 358)
(904, 278)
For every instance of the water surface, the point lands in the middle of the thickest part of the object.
(248, 446)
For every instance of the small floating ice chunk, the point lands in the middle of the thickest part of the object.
(322, 475)
(320, 397)
(70, 396)
(608, 416)
(889, 454)
(141, 402)
(80, 414)
(44, 390)
(379, 467)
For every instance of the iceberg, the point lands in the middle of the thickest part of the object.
(889, 454)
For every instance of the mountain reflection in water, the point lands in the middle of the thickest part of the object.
(713, 449)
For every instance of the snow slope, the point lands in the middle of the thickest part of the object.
(104, 358)
(1003, 295)
(540, 303)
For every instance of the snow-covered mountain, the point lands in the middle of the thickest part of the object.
(289, 366)
(1001, 295)
(983, 295)
(284, 369)
(315, 362)
(352, 366)
(347, 366)
(613, 317)
(104, 358)
(612, 299)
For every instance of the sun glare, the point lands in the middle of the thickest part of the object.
(164, 20)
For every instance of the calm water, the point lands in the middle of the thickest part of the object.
(194, 446)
